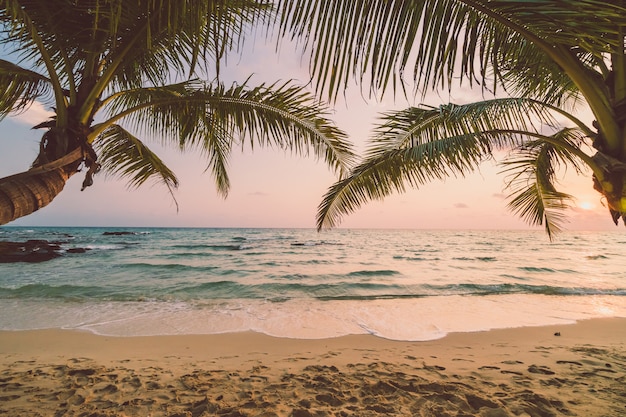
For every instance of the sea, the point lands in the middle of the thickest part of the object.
(407, 285)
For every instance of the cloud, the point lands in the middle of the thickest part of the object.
(34, 115)
(259, 194)
(461, 206)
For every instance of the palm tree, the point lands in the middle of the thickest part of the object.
(540, 60)
(110, 69)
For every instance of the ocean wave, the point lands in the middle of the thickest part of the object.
(476, 258)
(508, 288)
(281, 292)
(106, 247)
(536, 269)
(173, 267)
(183, 255)
(213, 247)
(66, 292)
(375, 273)
(414, 258)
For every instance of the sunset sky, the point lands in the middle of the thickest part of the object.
(271, 188)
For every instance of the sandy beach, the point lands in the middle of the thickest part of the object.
(567, 370)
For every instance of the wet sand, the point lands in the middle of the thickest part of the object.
(565, 370)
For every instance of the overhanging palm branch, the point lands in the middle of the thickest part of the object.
(216, 119)
(434, 41)
(549, 50)
(121, 153)
(418, 145)
(533, 174)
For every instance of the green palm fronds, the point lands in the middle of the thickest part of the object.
(216, 119)
(532, 177)
(385, 44)
(121, 153)
(415, 146)
(20, 87)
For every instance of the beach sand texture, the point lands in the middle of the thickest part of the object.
(511, 372)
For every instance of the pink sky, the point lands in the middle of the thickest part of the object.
(271, 188)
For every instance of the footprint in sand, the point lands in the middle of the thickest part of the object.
(543, 370)
(105, 388)
(134, 382)
(569, 363)
(513, 362)
(9, 398)
(76, 400)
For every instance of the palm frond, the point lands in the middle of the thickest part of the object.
(19, 87)
(282, 115)
(434, 41)
(417, 145)
(188, 121)
(538, 76)
(532, 178)
(122, 154)
(425, 124)
(25, 26)
(212, 140)
(156, 37)
(106, 46)
(373, 179)
(387, 171)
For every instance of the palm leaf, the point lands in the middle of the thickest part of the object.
(415, 146)
(284, 116)
(19, 87)
(539, 77)
(392, 170)
(425, 124)
(281, 115)
(532, 177)
(434, 41)
(214, 141)
(155, 38)
(122, 154)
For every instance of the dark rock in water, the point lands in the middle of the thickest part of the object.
(33, 251)
(77, 250)
(117, 233)
(29, 251)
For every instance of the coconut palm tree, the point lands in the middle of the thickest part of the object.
(112, 70)
(536, 60)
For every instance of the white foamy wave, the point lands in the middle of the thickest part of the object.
(104, 247)
(390, 319)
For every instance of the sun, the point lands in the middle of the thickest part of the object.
(586, 205)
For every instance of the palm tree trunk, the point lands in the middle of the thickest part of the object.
(24, 193)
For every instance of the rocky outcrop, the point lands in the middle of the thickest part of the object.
(33, 251)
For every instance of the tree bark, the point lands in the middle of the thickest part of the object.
(24, 193)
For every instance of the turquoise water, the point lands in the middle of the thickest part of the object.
(406, 285)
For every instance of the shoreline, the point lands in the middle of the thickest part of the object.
(526, 371)
(392, 319)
